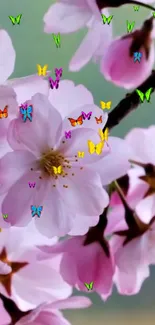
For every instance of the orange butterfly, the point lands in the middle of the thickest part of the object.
(4, 113)
(79, 121)
(98, 120)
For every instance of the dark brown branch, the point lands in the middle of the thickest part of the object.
(117, 3)
(129, 103)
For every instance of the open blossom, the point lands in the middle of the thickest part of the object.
(85, 262)
(77, 189)
(31, 280)
(118, 64)
(67, 17)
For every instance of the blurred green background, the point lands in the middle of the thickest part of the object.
(33, 46)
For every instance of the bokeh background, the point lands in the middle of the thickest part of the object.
(33, 46)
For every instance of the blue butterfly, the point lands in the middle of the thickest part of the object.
(137, 56)
(36, 210)
(26, 113)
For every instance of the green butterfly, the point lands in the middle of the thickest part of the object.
(56, 39)
(136, 8)
(146, 95)
(153, 13)
(106, 19)
(15, 20)
(89, 286)
(5, 216)
(130, 26)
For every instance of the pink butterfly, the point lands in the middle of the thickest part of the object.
(68, 134)
(58, 72)
(53, 83)
(88, 116)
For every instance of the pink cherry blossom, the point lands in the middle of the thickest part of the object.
(118, 64)
(48, 313)
(83, 263)
(66, 17)
(33, 280)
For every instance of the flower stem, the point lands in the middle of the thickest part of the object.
(129, 103)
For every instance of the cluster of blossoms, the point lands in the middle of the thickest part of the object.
(104, 204)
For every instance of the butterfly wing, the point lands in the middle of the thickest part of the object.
(59, 169)
(33, 210)
(108, 105)
(55, 170)
(83, 115)
(39, 210)
(104, 18)
(39, 68)
(45, 69)
(29, 112)
(128, 25)
(141, 94)
(109, 19)
(72, 121)
(98, 120)
(132, 25)
(80, 120)
(101, 134)
(91, 285)
(24, 114)
(13, 20)
(153, 13)
(58, 72)
(86, 285)
(18, 18)
(91, 147)
(102, 104)
(148, 94)
(99, 148)
(5, 111)
(106, 134)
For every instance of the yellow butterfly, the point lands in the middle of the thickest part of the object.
(105, 105)
(42, 70)
(95, 148)
(103, 135)
(80, 154)
(57, 170)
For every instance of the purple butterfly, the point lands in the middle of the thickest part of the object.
(53, 83)
(68, 134)
(24, 106)
(58, 72)
(88, 116)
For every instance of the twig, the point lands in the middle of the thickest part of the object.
(129, 103)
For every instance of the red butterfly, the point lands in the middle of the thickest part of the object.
(98, 120)
(79, 121)
(4, 113)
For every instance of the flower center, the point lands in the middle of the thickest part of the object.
(52, 163)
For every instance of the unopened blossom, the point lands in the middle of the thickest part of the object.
(118, 64)
(67, 17)
(49, 313)
(29, 279)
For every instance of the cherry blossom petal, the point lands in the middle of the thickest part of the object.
(7, 56)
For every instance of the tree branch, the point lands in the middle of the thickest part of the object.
(129, 103)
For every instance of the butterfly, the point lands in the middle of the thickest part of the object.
(58, 72)
(80, 154)
(5, 216)
(103, 135)
(106, 19)
(57, 39)
(86, 116)
(57, 170)
(146, 95)
(92, 148)
(130, 26)
(15, 20)
(26, 112)
(32, 184)
(137, 56)
(89, 286)
(105, 105)
(136, 8)
(42, 70)
(4, 113)
(73, 122)
(53, 83)
(36, 211)
(98, 120)
(68, 134)
(153, 13)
